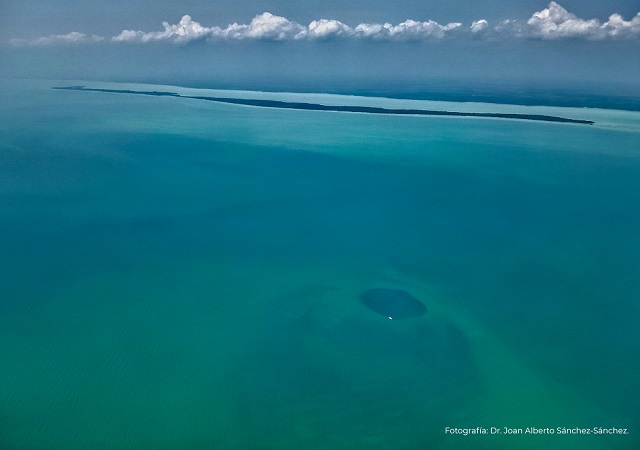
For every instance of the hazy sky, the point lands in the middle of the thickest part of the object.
(322, 41)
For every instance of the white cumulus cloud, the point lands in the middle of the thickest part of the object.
(325, 28)
(409, 30)
(373, 30)
(555, 22)
(413, 30)
(266, 26)
(184, 31)
(478, 25)
(616, 26)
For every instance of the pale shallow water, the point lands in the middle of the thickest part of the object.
(186, 274)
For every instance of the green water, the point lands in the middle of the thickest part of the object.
(179, 274)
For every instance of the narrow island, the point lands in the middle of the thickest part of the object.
(337, 108)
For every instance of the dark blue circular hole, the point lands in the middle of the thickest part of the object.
(393, 303)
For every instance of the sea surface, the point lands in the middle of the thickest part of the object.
(177, 273)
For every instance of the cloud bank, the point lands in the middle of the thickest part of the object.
(551, 23)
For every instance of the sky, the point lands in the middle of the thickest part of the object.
(327, 44)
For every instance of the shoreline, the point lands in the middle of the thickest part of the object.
(336, 108)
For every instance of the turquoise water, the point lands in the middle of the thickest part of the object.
(184, 274)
